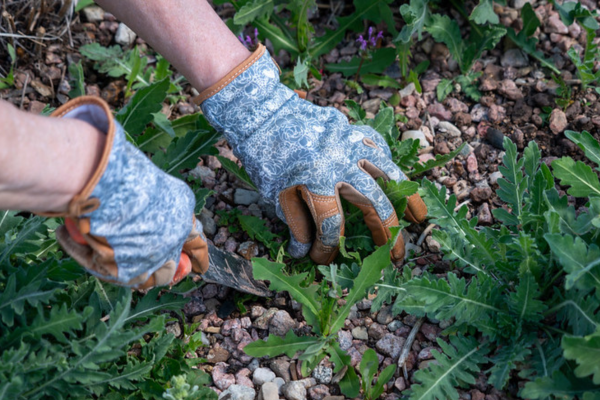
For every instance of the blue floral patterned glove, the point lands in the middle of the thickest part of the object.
(303, 157)
(131, 221)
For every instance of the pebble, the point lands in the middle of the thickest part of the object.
(372, 105)
(558, 121)
(364, 305)
(245, 197)
(376, 331)
(269, 391)
(294, 391)
(484, 215)
(345, 340)
(360, 333)
(400, 384)
(322, 374)
(254, 364)
(448, 128)
(248, 250)
(93, 13)
(494, 176)
(230, 245)
(407, 90)
(175, 329)
(472, 163)
(555, 25)
(394, 325)
(416, 135)
(262, 322)
(385, 315)
(262, 375)
(221, 378)
(390, 345)
(217, 354)
(221, 237)
(439, 111)
(318, 392)
(241, 378)
(433, 245)
(515, 58)
(208, 223)
(479, 195)
(124, 35)
(238, 392)
(281, 323)
(509, 89)
(281, 367)
(479, 113)
(430, 331)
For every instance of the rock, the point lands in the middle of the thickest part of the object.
(217, 355)
(509, 89)
(449, 129)
(294, 391)
(175, 329)
(221, 237)
(281, 367)
(124, 36)
(248, 250)
(345, 340)
(439, 111)
(245, 197)
(455, 105)
(281, 323)
(318, 392)
(395, 325)
(400, 384)
(488, 85)
(360, 333)
(43, 90)
(477, 395)
(555, 25)
(208, 223)
(241, 378)
(416, 135)
(441, 148)
(518, 4)
(263, 321)
(383, 94)
(322, 374)
(433, 245)
(221, 378)
(484, 215)
(385, 315)
(494, 176)
(230, 245)
(462, 119)
(430, 331)
(472, 163)
(262, 376)
(93, 13)
(269, 391)
(238, 392)
(479, 113)
(515, 58)
(479, 195)
(425, 354)
(279, 382)
(407, 90)
(558, 121)
(203, 173)
(364, 305)
(372, 105)
(390, 345)
(376, 331)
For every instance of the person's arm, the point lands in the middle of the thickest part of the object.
(44, 162)
(188, 33)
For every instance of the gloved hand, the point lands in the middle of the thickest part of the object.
(129, 224)
(303, 157)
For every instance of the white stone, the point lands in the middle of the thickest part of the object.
(416, 135)
(262, 376)
(449, 128)
(124, 35)
(238, 392)
(93, 13)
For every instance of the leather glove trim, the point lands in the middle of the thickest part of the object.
(234, 73)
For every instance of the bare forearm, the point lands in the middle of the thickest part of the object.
(44, 161)
(188, 33)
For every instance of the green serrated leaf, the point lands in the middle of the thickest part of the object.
(444, 88)
(587, 143)
(586, 351)
(484, 13)
(252, 10)
(582, 179)
(138, 112)
(275, 345)
(238, 172)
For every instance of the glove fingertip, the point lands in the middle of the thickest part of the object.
(416, 210)
(298, 249)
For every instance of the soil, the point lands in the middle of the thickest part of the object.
(518, 101)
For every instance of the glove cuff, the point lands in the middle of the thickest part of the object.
(97, 113)
(234, 73)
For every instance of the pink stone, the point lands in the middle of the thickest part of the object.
(472, 163)
(221, 378)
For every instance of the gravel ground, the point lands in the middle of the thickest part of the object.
(516, 94)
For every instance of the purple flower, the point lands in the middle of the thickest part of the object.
(248, 41)
(371, 40)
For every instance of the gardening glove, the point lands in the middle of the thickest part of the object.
(303, 157)
(129, 224)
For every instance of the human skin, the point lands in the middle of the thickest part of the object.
(46, 161)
